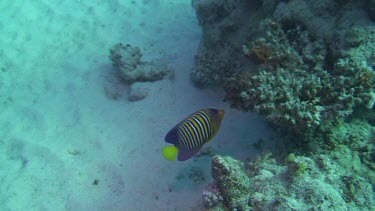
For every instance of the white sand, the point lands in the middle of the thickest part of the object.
(58, 130)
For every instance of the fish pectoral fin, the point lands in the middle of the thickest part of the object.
(184, 155)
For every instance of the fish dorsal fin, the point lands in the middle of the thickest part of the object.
(172, 136)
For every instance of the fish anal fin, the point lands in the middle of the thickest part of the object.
(184, 155)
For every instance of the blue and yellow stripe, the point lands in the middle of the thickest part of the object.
(195, 131)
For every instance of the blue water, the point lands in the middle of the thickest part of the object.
(79, 131)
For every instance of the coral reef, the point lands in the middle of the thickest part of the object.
(340, 178)
(210, 70)
(232, 182)
(220, 54)
(308, 68)
(312, 67)
(221, 20)
(293, 88)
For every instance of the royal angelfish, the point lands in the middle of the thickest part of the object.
(192, 133)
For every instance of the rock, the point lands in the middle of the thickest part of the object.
(127, 59)
(232, 182)
(138, 91)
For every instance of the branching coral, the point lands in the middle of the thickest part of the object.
(299, 92)
(211, 196)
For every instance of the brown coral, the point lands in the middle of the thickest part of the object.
(263, 53)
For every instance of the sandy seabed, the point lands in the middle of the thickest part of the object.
(64, 145)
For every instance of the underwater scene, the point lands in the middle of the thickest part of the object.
(187, 105)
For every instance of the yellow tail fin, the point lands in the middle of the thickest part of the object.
(170, 152)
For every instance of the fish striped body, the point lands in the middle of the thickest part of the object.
(193, 132)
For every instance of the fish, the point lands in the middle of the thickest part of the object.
(189, 135)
